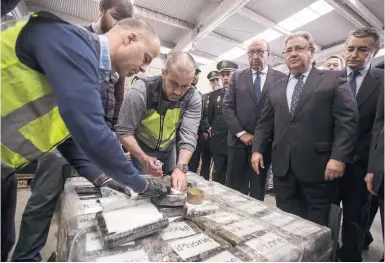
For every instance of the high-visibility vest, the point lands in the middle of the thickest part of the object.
(31, 123)
(158, 126)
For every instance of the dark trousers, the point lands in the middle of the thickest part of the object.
(373, 212)
(8, 209)
(356, 208)
(310, 201)
(220, 168)
(240, 173)
(46, 186)
(202, 151)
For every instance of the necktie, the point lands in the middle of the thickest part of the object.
(296, 93)
(353, 82)
(257, 85)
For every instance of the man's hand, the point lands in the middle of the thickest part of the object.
(256, 161)
(116, 186)
(178, 179)
(334, 170)
(206, 136)
(247, 138)
(156, 187)
(150, 166)
(369, 183)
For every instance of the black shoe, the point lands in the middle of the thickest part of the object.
(52, 258)
(367, 242)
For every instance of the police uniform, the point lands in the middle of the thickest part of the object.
(219, 128)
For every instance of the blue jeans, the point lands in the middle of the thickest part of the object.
(8, 209)
(167, 158)
(46, 187)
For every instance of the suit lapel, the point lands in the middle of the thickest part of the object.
(281, 86)
(270, 78)
(248, 77)
(368, 86)
(311, 82)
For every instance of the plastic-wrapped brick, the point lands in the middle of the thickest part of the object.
(123, 225)
(241, 231)
(170, 200)
(214, 221)
(278, 219)
(271, 246)
(229, 255)
(206, 208)
(173, 211)
(179, 229)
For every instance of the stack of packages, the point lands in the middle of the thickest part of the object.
(228, 226)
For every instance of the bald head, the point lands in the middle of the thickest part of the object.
(178, 75)
(257, 52)
(181, 61)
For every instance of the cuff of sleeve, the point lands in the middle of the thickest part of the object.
(188, 147)
(239, 134)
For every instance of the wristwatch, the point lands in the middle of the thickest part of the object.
(183, 167)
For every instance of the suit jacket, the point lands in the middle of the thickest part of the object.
(323, 126)
(367, 98)
(240, 106)
(217, 122)
(204, 125)
(376, 157)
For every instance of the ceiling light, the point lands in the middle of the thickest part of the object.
(305, 16)
(290, 23)
(233, 53)
(165, 50)
(321, 7)
(380, 53)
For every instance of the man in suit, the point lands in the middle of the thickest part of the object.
(365, 82)
(334, 62)
(374, 179)
(312, 116)
(242, 107)
(219, 128)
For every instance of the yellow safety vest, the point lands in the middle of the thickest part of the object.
(30, 121)
(158, 127)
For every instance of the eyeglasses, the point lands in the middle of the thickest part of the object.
(297, 49)
(260, 53)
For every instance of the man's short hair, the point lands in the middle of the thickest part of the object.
(366, 32)
(124, 8)
(303, 34)
(182, 60)
(138, 23)
(337, 57)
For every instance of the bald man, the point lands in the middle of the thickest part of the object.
(242, 106)
(152, 110)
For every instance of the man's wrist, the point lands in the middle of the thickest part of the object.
(183, 167)
(239, 134)
(100, 180)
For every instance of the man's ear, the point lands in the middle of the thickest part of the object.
(376, 51)
(130, 37)
(164, 73)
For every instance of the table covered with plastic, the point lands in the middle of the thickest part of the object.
(104, 225)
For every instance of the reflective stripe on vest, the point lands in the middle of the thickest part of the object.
(31, 123)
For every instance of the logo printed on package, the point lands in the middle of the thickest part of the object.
(177, 230)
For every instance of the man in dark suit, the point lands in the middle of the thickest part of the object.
(242, 107)
(219, 129)
(365, 82)
(312, 116)
(374, 179)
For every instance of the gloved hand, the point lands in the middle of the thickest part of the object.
(116, 186)
(156, 187)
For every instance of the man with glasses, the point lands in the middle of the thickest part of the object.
(242, 107)
(365, 83)
(312, 117)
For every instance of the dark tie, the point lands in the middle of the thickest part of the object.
(296, 93)
(257, 85)
(353, 82)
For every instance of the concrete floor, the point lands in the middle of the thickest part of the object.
(373, 255)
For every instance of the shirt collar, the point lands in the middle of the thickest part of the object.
(95, 29)
(105, 60)
(263, 71)
(305, 74)
(362, 70)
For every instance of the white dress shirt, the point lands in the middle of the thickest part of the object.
(360, 77)
(291, 85)
(262, 75)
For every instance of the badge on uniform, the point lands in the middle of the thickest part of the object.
(155, 97)
(219, 99)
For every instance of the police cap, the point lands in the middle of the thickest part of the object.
(213, 75)
(227, 65)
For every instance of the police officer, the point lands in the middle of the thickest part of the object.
(219, 129)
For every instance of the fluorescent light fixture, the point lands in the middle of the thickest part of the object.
(268, 35)
(321, 7)
(202, 60)
(306, 15)
(165, 50)
(380, 53)
(233, 53)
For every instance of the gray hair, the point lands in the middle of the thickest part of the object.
(366, 32)
(260, 39)
(303, 34)
(183, 61)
